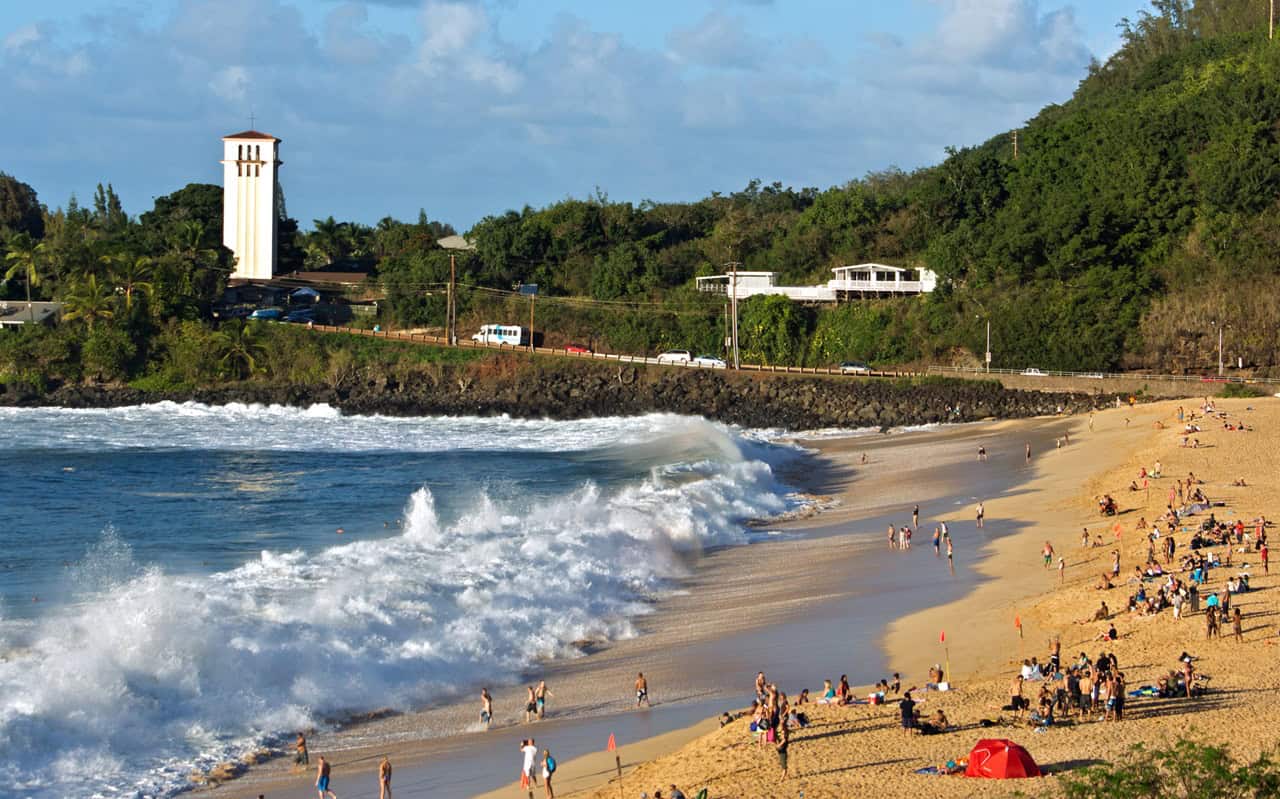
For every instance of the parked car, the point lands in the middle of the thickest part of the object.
(270, 314)
(854, 368)
(1032, 372)
(232, 313)
(709, 362)
(577, 348)
(303, 316)
(675, 356)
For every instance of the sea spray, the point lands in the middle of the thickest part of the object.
(154, 667)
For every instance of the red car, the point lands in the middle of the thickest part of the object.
(577, 349)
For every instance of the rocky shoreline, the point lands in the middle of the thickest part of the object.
(579, 390)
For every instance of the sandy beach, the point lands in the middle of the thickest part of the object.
(850, 751)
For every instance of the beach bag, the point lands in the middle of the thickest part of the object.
(768, 736)
(755, 727)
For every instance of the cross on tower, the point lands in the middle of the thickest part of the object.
(252, 121)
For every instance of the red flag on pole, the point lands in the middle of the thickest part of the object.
(942, 637)
(613, 744)
(1017, 622)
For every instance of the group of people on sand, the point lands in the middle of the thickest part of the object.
(324, 771)
(1084, 689)
(529, 767)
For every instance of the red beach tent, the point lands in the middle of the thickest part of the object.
(1000, 759)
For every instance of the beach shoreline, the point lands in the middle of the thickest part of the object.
(901, 467)
(865, 754)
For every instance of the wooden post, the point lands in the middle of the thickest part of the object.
(618, 759)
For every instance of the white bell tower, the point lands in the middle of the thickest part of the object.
(250, 192)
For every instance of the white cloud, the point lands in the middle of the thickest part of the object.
(717, 40)
(452, 44)
(231, 84)
(21, 37)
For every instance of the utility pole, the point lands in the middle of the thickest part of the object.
(450, 321)
(1271, 21)
(532, 297)
(988, 344)
(733, 305)
(1220, 327)
(1014, 136)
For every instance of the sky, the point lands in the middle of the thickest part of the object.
(467, 108)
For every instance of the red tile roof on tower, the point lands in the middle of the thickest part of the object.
(250, 134)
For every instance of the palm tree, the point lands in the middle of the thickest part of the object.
(133, 275)
(26, 257)
(330, 236)
(240, 348)
(90, 300)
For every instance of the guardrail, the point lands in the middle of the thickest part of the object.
(1103, 375)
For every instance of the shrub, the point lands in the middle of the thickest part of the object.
(108, 352)
(1186, 770)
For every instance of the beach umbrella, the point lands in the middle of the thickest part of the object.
(1000, 759)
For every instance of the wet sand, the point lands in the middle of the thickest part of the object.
(810, 602)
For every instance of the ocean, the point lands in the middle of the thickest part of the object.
(182, 584)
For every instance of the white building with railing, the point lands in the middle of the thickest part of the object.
(850, 283)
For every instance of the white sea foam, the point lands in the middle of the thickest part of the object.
(148, 674)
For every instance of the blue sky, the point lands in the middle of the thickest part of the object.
(470, 107)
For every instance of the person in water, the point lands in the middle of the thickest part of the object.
(486, 708)
(541, 697)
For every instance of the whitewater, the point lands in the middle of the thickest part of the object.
(188, 583)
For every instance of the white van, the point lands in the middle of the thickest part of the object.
(501, 334)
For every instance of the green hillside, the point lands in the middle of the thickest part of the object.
(1135, 215)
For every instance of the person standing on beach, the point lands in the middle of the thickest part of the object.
(530, 753)
(982, 454)
(384, 778)
(915, 517)
(982, 511)
(1235, 625)
(893, 536)
(486, 708)
(1028, 452)
(1062, 570)
(548, 771)
(951, 556)
(530, 706)
(541, 696)
(937, 541)
(642, 690)
(782, 742)
(1262, 553)
(322, 779)
(1048, 553)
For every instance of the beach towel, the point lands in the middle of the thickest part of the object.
(928, 770)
